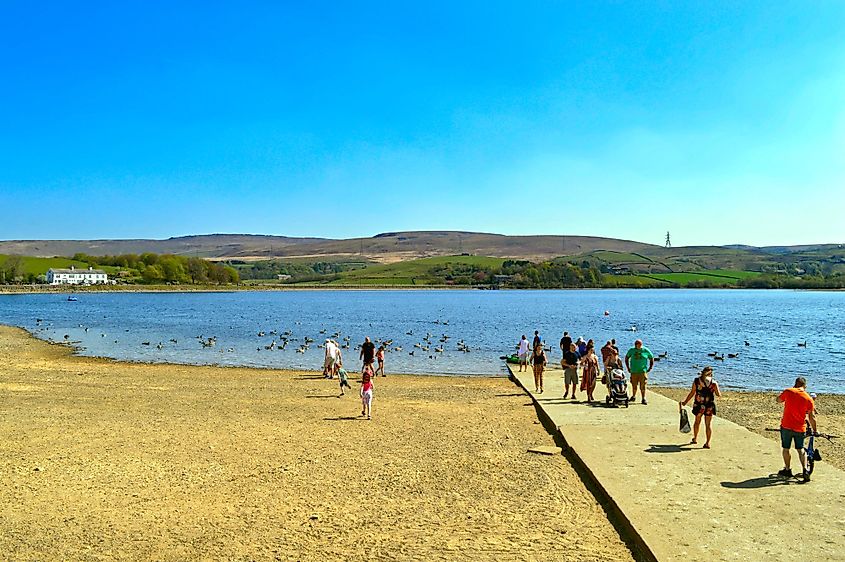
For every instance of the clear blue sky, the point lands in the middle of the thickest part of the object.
(722, 122)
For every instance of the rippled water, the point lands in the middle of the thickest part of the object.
(685, 323)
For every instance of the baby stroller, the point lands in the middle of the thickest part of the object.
(617, 387)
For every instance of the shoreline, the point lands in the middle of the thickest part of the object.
(71, 289)
(75, 352)
(105, 459)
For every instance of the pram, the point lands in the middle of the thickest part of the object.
(617, 387)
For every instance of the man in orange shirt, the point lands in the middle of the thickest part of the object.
(797, 406)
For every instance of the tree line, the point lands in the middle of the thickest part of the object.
(167, 268)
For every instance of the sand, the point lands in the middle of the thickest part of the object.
(108, 460)
(759, 412)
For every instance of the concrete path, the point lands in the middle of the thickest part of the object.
(689, 503)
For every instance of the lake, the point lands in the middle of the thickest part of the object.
(687, 324)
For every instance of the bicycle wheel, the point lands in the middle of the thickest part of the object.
(810, 460)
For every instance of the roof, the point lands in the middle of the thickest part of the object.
(100, 271)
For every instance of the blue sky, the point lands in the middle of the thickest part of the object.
(720, 122)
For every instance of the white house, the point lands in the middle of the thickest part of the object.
(75, 276)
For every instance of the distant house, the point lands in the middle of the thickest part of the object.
(282, 277)
(75, 276)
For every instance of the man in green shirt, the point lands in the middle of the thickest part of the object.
(639, 361)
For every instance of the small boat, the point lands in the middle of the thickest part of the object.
(513, 359)
(72, 299)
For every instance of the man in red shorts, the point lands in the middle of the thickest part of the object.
(797, 406)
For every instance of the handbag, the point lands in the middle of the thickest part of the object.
(684, 426)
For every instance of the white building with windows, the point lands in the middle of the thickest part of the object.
(75, 276)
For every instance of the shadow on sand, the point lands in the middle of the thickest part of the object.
(670, 448)
(761, 482)
(345, 418)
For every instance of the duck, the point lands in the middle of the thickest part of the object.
(747, 344)
(802, 344)
(733, 355)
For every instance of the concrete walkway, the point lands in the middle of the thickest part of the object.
(689, 503)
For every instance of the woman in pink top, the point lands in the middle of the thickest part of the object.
(367, 392)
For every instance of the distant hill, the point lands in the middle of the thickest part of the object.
(387, 247)
(390, 247)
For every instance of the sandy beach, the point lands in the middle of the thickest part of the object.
(108, 460)
(759, 412)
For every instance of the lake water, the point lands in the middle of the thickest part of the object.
(688, 324)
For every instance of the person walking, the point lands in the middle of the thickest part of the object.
(705, 390)
(380, 359)
(523, 352)
(367, 376)
(343, 377)
(538, 359)
(368, 351)
(570, 370)
(331, 360)
(589, 370)
(537, 340)
(798, 406)
(639, 361)
(565, 342)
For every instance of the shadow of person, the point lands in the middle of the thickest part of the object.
(344, 418)
(652, 448)
(761, 482)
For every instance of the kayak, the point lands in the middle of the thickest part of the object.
(512, 358)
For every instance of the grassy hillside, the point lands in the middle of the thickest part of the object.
(419, 272)
(39, 266)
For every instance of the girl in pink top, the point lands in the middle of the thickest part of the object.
(380, 359)
(367, 391)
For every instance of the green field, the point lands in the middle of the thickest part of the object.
(711, 277)
(39, 266)
(412, 273)
(612, 257)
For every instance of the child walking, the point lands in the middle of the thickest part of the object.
(380, 359)
(343, 376)
(367, 391)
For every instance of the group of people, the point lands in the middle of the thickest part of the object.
(580, 356)
(369, 355)
(798, 405)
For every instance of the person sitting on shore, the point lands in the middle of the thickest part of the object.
(570, 370)
(798, 406)
(538, 359)
(705, 390)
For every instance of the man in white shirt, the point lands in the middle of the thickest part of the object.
(332, 359)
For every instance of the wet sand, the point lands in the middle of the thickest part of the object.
(759, 411)
(109, 460)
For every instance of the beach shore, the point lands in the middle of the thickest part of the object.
(110, 460)
(759, 412)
